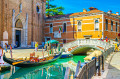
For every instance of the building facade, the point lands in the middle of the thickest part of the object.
(93, 24)
(21, 22)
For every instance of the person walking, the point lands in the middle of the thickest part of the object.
(1, 55)
(11, 51)
(6, 46)
(36, 46)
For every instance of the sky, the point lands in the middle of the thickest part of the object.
(73, 6)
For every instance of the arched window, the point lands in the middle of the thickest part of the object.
(96, 25)
(79, 26)
(38, 9)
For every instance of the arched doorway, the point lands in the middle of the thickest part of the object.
(18, 26)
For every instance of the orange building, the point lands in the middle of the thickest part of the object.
(93, 24)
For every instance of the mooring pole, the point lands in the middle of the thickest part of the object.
(102, 63)
(99, 70)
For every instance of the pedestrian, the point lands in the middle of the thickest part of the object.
(1, 55)
(106, 39)
(109, 40)
(45, 47)
(6, 46)
(11, 51)
(36, 46)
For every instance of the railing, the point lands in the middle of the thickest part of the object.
(108, 52)
(90, 69)
(87, 71)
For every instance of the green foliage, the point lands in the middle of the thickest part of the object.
(52, 10)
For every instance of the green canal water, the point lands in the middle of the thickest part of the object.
(54, 70)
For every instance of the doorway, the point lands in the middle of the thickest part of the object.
(18, 38)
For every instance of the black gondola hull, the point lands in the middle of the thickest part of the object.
(26, 64)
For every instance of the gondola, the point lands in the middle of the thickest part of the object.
(28, 63)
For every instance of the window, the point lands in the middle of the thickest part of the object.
(64, 40)
(111, 25)
(64, 27)
(79, 26)
(116, 26)
(96, 25)
(51, 28)
(106, 24)
(38, 9)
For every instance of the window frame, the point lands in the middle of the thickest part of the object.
(95, 25)
(50, 28)
(63, 27)
(78, 25)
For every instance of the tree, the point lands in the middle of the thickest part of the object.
(52, 10)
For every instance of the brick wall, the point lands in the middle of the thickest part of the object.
(111, 34)
(68, 35)
(35, 21)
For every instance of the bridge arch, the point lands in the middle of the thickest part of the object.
(84, 48)
(83, 45)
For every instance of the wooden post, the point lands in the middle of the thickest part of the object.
(67, 72)
(99, 70)
(87, 70)
(0, 68)
(102, 63)
(95, 66)
(77, 69)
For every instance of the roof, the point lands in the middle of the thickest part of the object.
(80, 13)
(59, 16)
(113, 14)
(89, 12)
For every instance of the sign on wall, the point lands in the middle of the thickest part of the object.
(57, 34)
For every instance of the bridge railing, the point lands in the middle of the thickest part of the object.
(94, 42)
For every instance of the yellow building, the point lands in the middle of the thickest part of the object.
(87, 25)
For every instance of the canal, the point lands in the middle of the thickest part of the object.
(54, 70)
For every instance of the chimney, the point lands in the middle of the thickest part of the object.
(84, 10)
(93, 8)
(117, 13)
(109, 12)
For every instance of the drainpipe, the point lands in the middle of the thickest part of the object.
(103, 26)
(119, 28)
(73, 26)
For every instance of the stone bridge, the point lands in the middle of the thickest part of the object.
(81, 46)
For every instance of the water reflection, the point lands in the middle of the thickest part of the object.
(54, 70)
(48, 72)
